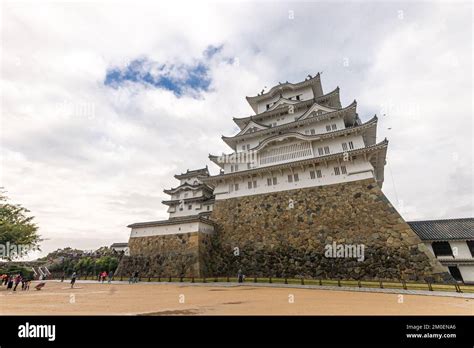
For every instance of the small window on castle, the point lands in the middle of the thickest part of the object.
(248, 166)
(326, 150)
(290, 178)
(254, 184)
(296, 177)
(275, 181)
(243, 147)
(249, 184)
(298, 97)
(318, 173)
(312, 175)
(328, 128)
(306, 131)
(208, 207)
(269, 181)
(231, 168)
(248, 146)
(180, 208)
(343, 170)
(344, 146)
(442, 249)
(333, 127)
(351, 145)
(470, 245)
(320, 151)
(190, 207)
(268, 106)
(337, 171)
(313, 132)
(236, 187)
(236, 167)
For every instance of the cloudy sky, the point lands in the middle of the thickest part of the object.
(102, 102)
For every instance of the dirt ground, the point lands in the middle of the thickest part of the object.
(172, 299)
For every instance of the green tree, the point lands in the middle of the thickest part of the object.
(16, 228)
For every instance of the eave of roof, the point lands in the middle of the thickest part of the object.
(185, 186)
(192, 173)
(370, 124)
(188, 200)
(368, 149)
(173, 221)
(242, 121)
(253, 101)
(231, 141)
(444, 230)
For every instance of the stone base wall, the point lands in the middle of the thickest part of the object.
(284, 234)
(166, 255)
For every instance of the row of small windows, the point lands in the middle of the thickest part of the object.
(296, 97)
(340, 170)
(291, 151)
(443, 248)
(345, 146)
(312, 131)
(190, 207)
(313, 174)
(331, 127)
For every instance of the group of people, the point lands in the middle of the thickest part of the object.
(12, 281)
(103, 276)
(134, 278)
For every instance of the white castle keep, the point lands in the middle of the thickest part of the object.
(299, 137)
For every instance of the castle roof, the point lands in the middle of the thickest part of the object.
(314, 82)
(173, 221)
(377, 152)
(349, 113)
(444, 230)
(368, 130)
(203, 199)
(193, 173)
(186, 186)
(331, 98)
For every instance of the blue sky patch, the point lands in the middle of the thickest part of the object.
(181, 79)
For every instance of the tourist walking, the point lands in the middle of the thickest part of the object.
(10, 283)
(135, 277)
(73, 279)
(111, 275)
(17, 281)
(240, 276)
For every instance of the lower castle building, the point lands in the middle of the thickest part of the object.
(299, 196)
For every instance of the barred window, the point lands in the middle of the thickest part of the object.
(318, 173)
(236, 186)
(249, 184)
(328, 128)
(337, 171)
(269, 181)
(296, 177)
(326, 150)
(290, 178)
(343, 170)
(344, 146)
(320, 151)
(275, 181)
(334, 126)
(351, 145)
(313, 132)
(312, 175)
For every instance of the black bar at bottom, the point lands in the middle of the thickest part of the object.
(262, 330)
